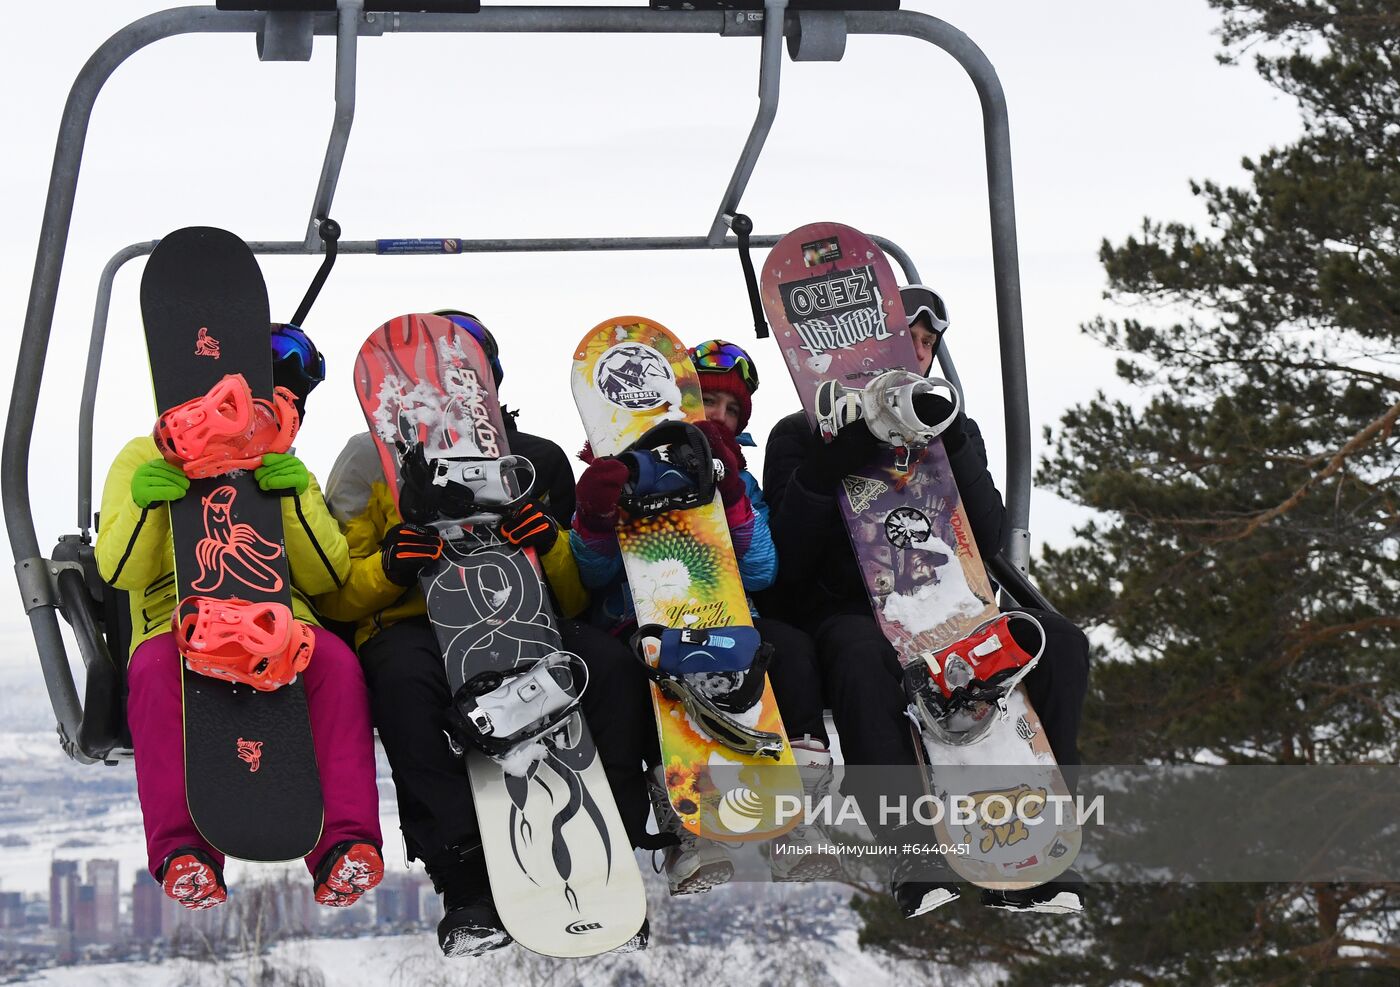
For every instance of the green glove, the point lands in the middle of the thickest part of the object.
(281, 472)
(157, 481)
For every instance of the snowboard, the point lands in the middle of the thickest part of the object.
(832, 299)
(251, 779)
(562, 871)
(630, 374)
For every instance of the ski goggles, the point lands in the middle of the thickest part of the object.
(715, 355)
(918, 301)
(290, 343)
(481, 334)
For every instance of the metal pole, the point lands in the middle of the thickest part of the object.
(346, 49)
(1005, 261)
(769, 75)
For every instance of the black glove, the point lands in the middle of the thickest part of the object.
(934, 408)
(527, 526)
(406, 550)
(853, 448)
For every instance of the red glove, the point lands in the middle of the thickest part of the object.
(725, 447)
(598, 492)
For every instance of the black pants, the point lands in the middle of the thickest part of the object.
(797, 684)
(408, 694)
(861, 678)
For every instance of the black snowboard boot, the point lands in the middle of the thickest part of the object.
(915, 888)
(1061, 897)
(470, 925)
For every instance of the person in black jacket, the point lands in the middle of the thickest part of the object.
(820, 588)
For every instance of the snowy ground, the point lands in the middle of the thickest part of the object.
(413, 961)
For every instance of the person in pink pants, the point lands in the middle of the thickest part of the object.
(135, 553)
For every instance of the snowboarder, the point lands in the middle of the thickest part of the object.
(821, 590)
(135, 553)
(403, 662)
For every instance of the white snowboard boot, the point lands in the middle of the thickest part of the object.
(694, 864)
(803, 853)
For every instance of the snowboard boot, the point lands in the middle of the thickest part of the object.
(639, 942)
(798, 854)
(191, 877)
(470, 925)
(1062, 897)
(347, 871)
(918, 887)
(692, 865)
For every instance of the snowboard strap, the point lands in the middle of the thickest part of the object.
(256, 644)
(714, 699)
(503, 712)
(980, 669)
(742, 227)
(669, 468)
(226, 429)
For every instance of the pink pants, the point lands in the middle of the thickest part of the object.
(341, 731)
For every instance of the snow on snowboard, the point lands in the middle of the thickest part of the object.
(836, 313)
(562, 872)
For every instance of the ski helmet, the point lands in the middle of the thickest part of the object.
(481, 334)
(296, 362)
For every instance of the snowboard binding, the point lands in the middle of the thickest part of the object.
(227, 428)
(977, 671)
(886, 405)
(718, 674)
(459, 489)
(502, 713)
(257, 644)
(670, 468)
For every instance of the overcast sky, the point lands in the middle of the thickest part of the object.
(1114, 105)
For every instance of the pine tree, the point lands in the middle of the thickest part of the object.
(1245, 556)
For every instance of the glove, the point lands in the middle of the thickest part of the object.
(529, 527)
(598, 492)
(406, 550)
(283, 473)
(158, 481)
(725, 448)
(853, 447)
(934, 408)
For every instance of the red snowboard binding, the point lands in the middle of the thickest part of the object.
(227, 429)
(256, 644)
(979, 669)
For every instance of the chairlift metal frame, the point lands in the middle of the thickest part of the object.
(92, 730)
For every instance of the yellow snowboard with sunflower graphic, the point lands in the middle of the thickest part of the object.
(629, 375)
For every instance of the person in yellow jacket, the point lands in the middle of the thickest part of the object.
(404, 667)
(135, 553)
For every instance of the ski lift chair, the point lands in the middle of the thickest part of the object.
(67, 583)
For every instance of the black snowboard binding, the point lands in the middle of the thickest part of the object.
(459, 489)
(670, 468)
(708, 672)
(504, 713)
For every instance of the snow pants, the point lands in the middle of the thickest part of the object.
(340, 730)
(409, 696)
